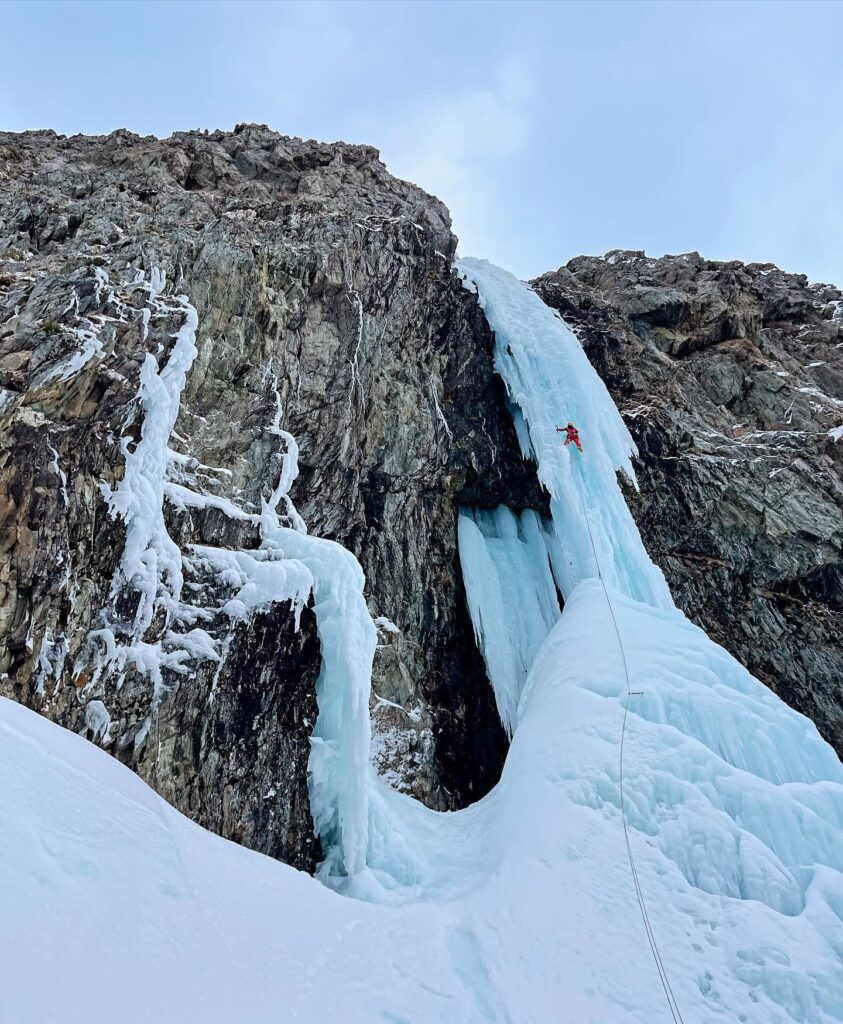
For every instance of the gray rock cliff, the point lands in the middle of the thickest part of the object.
(269, 285)
(730, 378)
(323, 288)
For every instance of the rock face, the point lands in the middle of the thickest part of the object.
(326, 307)
(176, 315)
(730, 378)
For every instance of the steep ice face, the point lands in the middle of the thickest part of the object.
(732, 802)
(550, 380)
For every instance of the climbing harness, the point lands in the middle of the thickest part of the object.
(651, 938)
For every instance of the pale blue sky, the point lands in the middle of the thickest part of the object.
(549, 129)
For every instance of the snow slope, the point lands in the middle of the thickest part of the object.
(521, 908)
(115, 906)
(525, 910)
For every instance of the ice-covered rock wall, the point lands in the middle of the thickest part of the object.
(184, 525)
(322, 288)
(730, 803)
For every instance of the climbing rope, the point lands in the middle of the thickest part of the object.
(639, 892)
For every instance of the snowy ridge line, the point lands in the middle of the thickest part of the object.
(673, 1006)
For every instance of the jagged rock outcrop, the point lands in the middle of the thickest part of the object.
(730, 378)
(323, 288)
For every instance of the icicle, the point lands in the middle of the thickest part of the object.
(511, 596)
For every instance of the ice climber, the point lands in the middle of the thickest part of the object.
(572, 435)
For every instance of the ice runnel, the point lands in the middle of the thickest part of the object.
(340, 772)
(511, 595)
(152, 561)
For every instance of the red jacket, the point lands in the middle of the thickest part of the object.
(571, 432)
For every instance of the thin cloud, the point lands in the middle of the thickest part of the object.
(458, 145)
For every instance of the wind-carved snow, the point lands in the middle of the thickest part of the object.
(521, 907)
